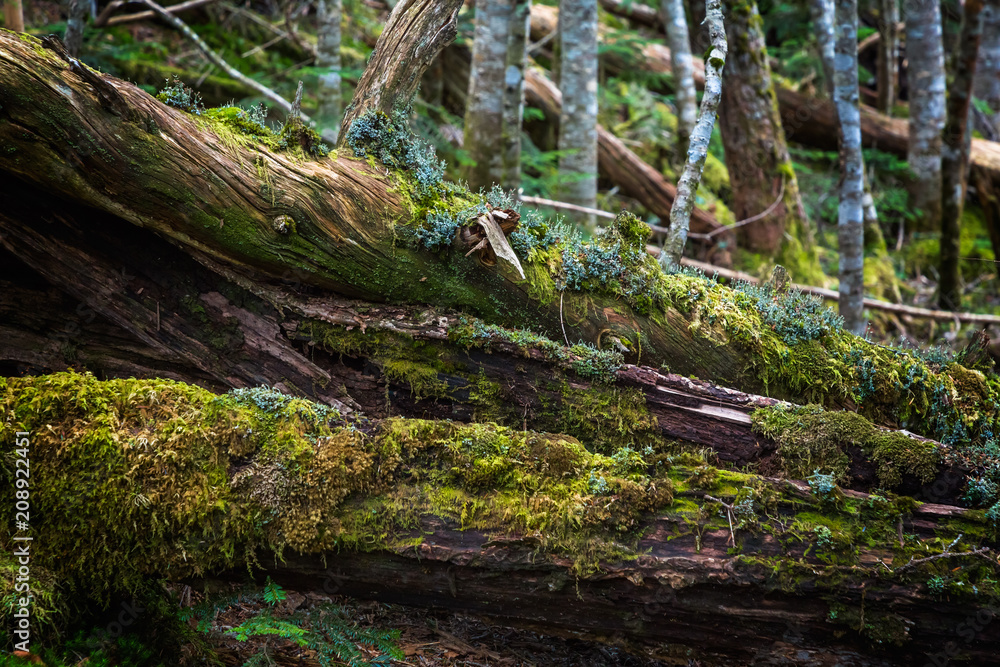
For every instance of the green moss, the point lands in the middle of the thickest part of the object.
(421, 378)
(810, 438)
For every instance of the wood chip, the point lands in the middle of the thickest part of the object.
(499, 242)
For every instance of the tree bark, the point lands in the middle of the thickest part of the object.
(13, 15)
(414, 34)
(955, 155)
(697, 152)
(578, 118)
(888, 55)
(850, 221)
(987, 80)
(760, 169)
(328, 58)
(484, 112)
(513, 97)
(686, 100)
(925, 54)
(76, 16)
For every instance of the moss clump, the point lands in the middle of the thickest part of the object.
(387, 138)
(810, 438)
(177, 94)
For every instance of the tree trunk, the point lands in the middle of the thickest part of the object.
(987, 80)
(76, 12)
(888, 55)
(396, 67)
(484, 113)
(13, 15)
(686, 100)
(925, 53)
(578, 119)
(513, 97)
(955, 155)
(760, 171)
(850, 222)
(697, 152)
(328, 58)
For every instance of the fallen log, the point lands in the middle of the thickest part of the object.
(648, 550)
(254, 217)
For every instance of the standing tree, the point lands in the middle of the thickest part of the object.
(682, 66)
(760, 170)
(687, 186)
(888, 54)
(13, 15)
(987, 79)
(513, 93)
(76, 14)
(578, 119)
(328, 58)
(484, 112)
(850, 216)
(955, 153)
(925, 54)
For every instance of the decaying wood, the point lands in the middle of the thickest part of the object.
(414, 34)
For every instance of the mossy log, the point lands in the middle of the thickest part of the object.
(141, 188)
(657, 551)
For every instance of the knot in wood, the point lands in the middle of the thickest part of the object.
(283, 224)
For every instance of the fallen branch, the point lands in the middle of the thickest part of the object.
(105, 19)
(216, 59)
(982, 551)
(874, 304)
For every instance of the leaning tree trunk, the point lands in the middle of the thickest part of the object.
(955, 155)
(513, 93)
(484, 112)
(675, 22)
(687, 184)
(578, 120)
(925, 53)
(760, 170)
(888, 55)
(328, 59)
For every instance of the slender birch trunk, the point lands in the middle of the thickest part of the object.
(578, 120)
(955, 153)
(760, 170)
(925, 54)
(13, 15)
(687, 186)
(888, 55)
(484, 110)
(513, 93)
(822, 16)
(987, 78)
(675, 22)
(850, 215)
(76, 15)
(328, 57)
